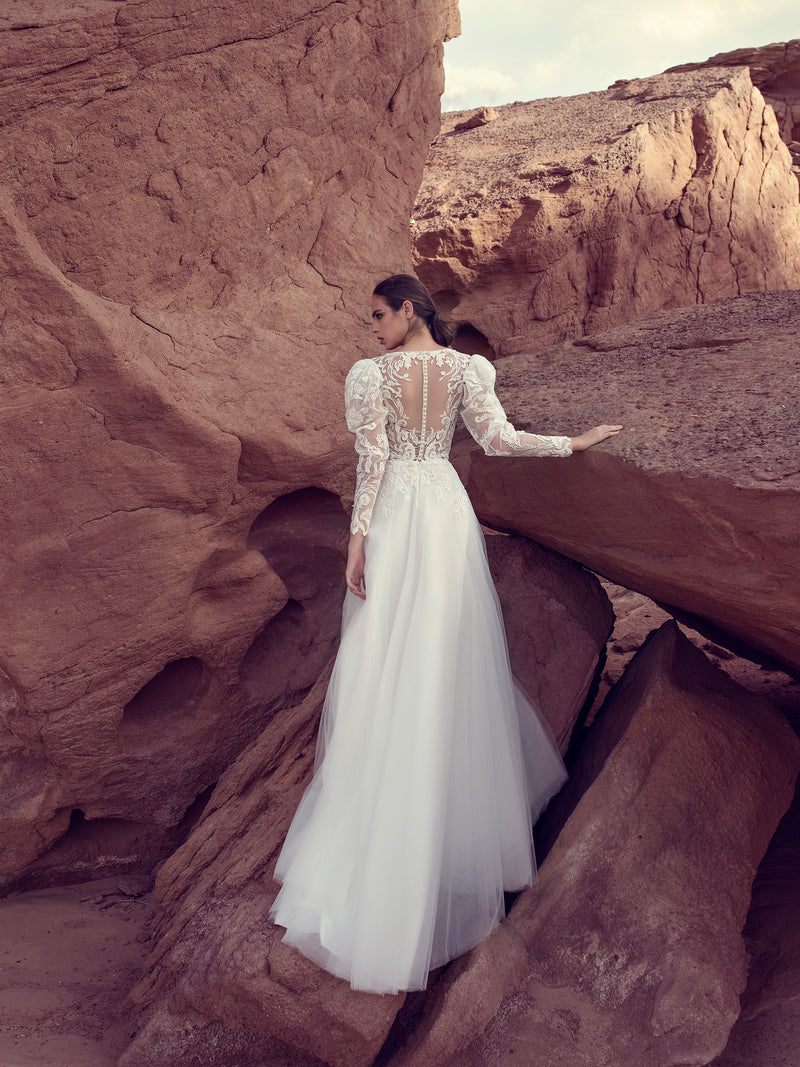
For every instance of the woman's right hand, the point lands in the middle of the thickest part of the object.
(354, 572)
(593, 437)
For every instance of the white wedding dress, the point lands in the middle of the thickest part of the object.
(431, 763)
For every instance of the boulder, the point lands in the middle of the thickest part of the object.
(480, 117)
(195, 205)
(628, 950)
(697, 503)
(557, 619)
(219, 974)
(775, 70)
(767, 1031)
(218, 970)
(567, 216)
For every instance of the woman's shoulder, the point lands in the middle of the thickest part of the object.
(363, 370)
(480, 369)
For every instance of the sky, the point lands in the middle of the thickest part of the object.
(528, 49)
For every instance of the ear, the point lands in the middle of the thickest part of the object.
(408, 309)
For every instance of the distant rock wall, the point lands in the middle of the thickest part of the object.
(775, 70)
(195, 203)
(564, 217)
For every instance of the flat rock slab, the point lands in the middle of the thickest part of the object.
(697, 503)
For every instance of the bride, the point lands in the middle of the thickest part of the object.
(431, 763)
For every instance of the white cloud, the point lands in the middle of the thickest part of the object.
(680, 22)
(526, 49)
(492, 86)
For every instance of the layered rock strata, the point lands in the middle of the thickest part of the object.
(564, 217)
(629, 948)
(697, 502)
(194, 206)
(218, 968)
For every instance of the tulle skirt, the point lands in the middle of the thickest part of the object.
(431, 762)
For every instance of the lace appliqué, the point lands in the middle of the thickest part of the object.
(487, 421)
(432, 439)
(403, 409)
(405, 477)
(366, 418)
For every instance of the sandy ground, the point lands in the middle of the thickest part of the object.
(68, 957)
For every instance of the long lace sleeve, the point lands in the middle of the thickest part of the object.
(366, 418)
(485, 419)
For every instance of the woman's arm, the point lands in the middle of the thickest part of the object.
(486, 420)
(366, 418)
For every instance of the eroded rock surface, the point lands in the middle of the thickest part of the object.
(775, 70)
(628, 950)
(697, 502)
(194, 206)
(767, 1031)
(218, 965)
(564, 217)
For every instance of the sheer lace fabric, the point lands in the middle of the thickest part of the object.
(405, 406)
(431, 762)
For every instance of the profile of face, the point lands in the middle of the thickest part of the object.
(390, 326)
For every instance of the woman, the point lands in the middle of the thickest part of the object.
(431, 763)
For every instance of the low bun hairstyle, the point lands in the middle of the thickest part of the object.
(398, 288)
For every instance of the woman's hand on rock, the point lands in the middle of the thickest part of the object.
(593, 437)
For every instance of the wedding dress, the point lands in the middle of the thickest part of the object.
(431, 763)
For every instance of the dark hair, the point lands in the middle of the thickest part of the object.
(400, 287)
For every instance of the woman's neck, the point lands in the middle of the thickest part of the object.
(421, 340)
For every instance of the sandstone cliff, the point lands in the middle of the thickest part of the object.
(194, 206)
(567, 216)
(775, 70)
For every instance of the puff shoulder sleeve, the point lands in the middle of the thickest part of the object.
(485, 419)
(366, 418)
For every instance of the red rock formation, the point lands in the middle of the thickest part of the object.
(557, 621)
(190, 203)
(628, 950)
(218, 966)
(567, 216)
(697, 503)
(768, 1028)
(194, 207)
(775, 70)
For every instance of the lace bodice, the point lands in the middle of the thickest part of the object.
(405, 405)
